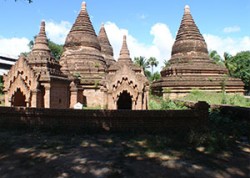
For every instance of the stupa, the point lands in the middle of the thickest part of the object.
(125, 86)
(82, 55)
(88, 61)
(190, 66)
(36, 80)
(106, 48)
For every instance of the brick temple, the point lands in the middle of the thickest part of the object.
(86, 73)
(190, 66)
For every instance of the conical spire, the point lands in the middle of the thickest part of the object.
(82, 51)
(106, 47)
(41, 41)
(82, 33)
(124, 53)
(40, 58)
(189, 38)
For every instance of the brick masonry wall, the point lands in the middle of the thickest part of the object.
(240, 113)
(104, 120)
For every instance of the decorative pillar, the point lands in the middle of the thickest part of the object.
(73, 97)
(139, 101)
(110, 102)
(47, 96)
(145, 104)
(34, 95)
(7, 100)
(133, 104)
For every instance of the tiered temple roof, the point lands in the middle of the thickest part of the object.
(124, 59)
(41, 60)
(190, 66)
(82, 55)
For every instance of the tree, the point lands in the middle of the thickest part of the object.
(216, 57)
(155, 76)
(152, 61)
(230, 66)
(142, 62)
(239, 66)
(166, 63)
(56, 49)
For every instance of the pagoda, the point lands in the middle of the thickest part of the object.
(190, 66)
(125, 86)
(82, 55)
(36, 80)
(106, 48)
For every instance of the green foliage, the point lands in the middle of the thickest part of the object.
(239, 66)
(158, 103)
(216, 57)
(1, 85)
(153, 62)
(145, 63)
(56, 49)
(166, 63)
(222, 133)
(77, 75)
(217, 98)
(155, 76)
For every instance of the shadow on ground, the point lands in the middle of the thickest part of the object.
(43, 154)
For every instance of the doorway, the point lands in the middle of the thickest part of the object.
(124, 101)
(19, 98)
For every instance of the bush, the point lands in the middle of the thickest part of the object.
(217, 98)
(158, 103)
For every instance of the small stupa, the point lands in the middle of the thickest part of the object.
(106, 48)
(125, 85)
(190, 66)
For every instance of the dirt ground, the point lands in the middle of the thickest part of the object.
(41, 154)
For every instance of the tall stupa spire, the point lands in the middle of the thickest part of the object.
(82, 32)
(82, 51)
(41, 41)
(187, 9)
(189, 37)
(106, 48)
(83, 6)
(124, 53)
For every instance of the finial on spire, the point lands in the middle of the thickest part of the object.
(42, 27)
(83, 5)
(187, 9)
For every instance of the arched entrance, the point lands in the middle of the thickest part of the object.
(124, 101)
(18, 98)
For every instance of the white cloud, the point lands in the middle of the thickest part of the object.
(231, 29)
(160, 48)
(57, 32)
(12, 47)
(228, 44)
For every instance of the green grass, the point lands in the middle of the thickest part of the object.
(158, 103)
(217, 98)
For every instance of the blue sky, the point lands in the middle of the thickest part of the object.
(151, 26)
